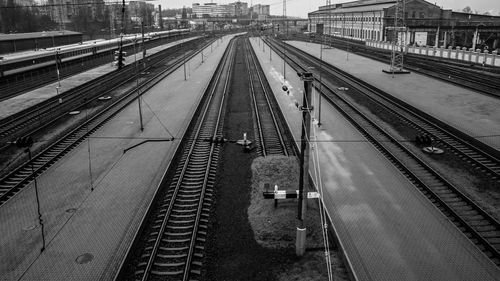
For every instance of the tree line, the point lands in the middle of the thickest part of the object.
(17, 19)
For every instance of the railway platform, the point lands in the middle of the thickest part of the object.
(466, 110)
(15, 104)
(388, 230)
(92, 200)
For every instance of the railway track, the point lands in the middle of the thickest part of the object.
(480, 156)
(21, 83)
(485, 80)
(269, 132)
(44, 113)
(20, 177)
(480, 227)
(171, 244)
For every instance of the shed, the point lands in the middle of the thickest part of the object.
(15, 42)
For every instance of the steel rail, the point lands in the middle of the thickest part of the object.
(14, 181)
(452, 138)
(46, 75)
(480, 225)
(448, 70)
(267, 113)
(197, 148)
(43, 113)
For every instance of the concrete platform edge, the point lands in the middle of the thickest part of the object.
(162, 181)
(333, 232)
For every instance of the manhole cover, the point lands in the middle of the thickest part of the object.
(104, 98)
(85, 258)
(30, 227)
(74, 112)
(71, 210)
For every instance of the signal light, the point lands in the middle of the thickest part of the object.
(24, 142)
(120, 59)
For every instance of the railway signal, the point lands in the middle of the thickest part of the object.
(24, 142)
(120, 59)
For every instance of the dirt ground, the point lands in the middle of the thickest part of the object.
(274, 227)
(248, 238)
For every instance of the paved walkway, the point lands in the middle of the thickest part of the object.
(388, 229)
(469, 111)
(89, 232)
(21, 102)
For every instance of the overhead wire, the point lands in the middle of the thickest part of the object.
(322, 211)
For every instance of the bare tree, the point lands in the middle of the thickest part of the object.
(467, 10)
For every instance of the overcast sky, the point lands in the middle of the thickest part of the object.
(302, 7)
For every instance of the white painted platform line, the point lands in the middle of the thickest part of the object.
(390, 231)
(105, 219)
(477, 114)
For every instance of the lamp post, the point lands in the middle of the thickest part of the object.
(27, 142)
(137, 84)
(284, 50)
(320, 82)
(137, 81)
(120, 49)
(306, 108)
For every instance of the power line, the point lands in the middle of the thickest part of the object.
(68, 4)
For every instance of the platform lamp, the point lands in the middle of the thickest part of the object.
(27, 142)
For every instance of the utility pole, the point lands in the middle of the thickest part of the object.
(120, 51)
(320, 82)
(142, 46)
(137, 84)
(26, 143)
(328, 5)
(284, 54)
(160, 20)
(397, 57)
(306, 108)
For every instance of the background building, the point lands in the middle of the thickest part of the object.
(261, 9)
(208, 10)
(427, 24)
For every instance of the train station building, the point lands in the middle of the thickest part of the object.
(427, 24)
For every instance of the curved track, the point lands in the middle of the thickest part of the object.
(478, 225)
(13, 182)
(17, 84)
(44, 113)
(484, 158)
(482, 79)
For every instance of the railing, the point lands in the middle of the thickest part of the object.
(459, 53)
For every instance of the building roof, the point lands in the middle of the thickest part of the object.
(358, 8)
(33, 35)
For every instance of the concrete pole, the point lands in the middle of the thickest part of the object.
(436, 43)
(143, 46)
(474, 38)
(300, 244)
